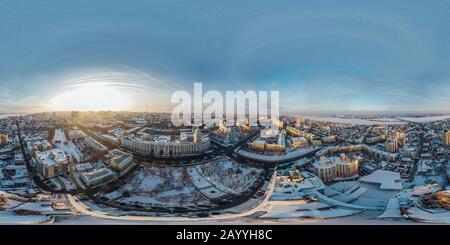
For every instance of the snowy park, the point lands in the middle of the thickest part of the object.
(158, 187)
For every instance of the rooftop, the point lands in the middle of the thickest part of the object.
(52, 157)
(388, 180)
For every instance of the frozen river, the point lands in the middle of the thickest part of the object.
(378, 121)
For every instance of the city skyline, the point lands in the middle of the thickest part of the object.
(323, 58)
(217, 113)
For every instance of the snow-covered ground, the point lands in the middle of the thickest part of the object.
(420, 180)
(324, 213)
(382, 120)
(425, 119)
(229, 176)
(356, 121)
(185, 187)
(392, 210)
(419, 211)
(387, 180)
(164, 187)
(11, 218)
(310, 198)
(67, 146)
(204, 185)
(19, 210)
(59, 136)
(357, 219)
(428, 217)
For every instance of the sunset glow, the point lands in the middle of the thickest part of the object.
(91, 97)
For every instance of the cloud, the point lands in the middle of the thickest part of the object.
(344, 56)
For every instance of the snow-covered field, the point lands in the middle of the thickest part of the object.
(164, 187)
(187, 187)
(370, 195)
(382, 120)
(356, 121)
(320, 211)
(425, 119)
(10, 218)
(203, 185)
(228, 175)
(424, 180)
(66, 145)
(310, 199)
(59, 136)
(18, 211)
(428, 217)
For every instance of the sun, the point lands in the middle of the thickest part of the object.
(90, 97)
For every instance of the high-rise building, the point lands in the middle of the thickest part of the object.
(391, 145)
(277, 123)
(328, 169)
(298, 122)
(400, 135)
(446, 138)
(223, 129)
(51, 163)
(3, 139)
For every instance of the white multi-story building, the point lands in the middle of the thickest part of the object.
(188, 144)
(97, 176)
(331, 168)
(391, 145)
(51, 163)
(120, 160)
(3, 139)
(76, 133)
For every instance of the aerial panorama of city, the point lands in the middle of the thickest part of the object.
(262, 112)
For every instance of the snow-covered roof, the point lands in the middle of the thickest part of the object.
(392, 210)
(388, 180)
(52, 157)
(84, 167)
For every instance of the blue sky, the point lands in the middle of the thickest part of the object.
(323, 56)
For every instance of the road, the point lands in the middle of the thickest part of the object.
(168, 162)
(83, 210)
(80, 208)
(31, 169)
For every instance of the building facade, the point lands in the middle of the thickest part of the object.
(51, 163)
(328, 169)
(446, 138)
(168, 149)
(3, 139)
(391, 145)
(120, 160)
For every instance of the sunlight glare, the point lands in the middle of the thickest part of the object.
(90, 97)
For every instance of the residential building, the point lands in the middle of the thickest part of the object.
(51, 163)
(328, 169)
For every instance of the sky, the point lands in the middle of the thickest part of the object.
(323, 56)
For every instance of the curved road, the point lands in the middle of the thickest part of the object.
(100, 214)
